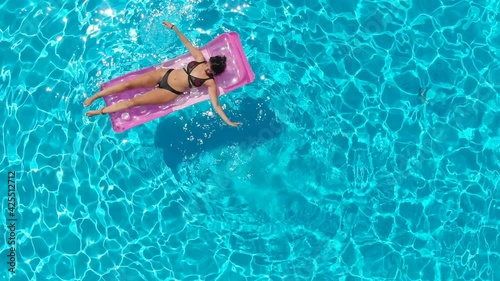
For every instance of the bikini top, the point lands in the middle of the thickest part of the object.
(193, 80)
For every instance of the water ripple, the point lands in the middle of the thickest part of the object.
(369, 150)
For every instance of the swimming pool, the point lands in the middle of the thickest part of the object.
(369, 149)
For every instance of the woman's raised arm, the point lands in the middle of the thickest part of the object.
(197, 54)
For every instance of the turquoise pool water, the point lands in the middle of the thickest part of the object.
(369, 151)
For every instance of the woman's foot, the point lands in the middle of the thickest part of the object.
(89, 101)
(95, 112)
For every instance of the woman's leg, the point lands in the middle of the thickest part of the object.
(154, 97)
(146, 80)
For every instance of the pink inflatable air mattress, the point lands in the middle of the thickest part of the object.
(237, 74)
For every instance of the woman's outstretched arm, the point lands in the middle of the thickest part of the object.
(212, 92)
(197, 54)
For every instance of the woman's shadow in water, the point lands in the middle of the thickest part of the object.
(186, 138)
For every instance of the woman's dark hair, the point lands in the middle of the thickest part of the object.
(218, 64)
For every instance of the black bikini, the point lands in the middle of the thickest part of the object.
(164, 84)
(193, 81)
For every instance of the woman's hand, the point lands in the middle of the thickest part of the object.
(234, 124)
(168, 24)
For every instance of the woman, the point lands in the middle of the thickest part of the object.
(171, 83)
